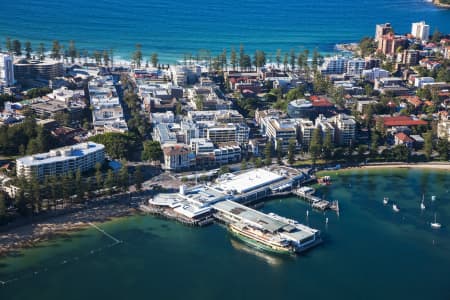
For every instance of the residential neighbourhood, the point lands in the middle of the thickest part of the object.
(386, 100)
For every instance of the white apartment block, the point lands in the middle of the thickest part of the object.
(59, 161)
(355, 66)
(345, 127)
(325, 126)
(165, 117)
(107, 112)
(443, 129)
(227, 153)
(226, 116)
(333, 65)
(6, 70)
(182, 75)
(340, 65)
(420, 30)
(222, 133)
(420, 82)
(201, 145)
(375, 73)
(281, 130)
(306, 132)
(65, 95)
(163, 134)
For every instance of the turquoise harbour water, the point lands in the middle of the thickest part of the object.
(174, 28)
(369, 252)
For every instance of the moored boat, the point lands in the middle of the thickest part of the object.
(259, 239)
(325, 180)
(422, 205)
(435, 224)
(395, 208)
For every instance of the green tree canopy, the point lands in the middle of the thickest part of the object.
(268, 153)
(428, 144)
(315, 145)
(291, 151)
(117, 145)
(137, 55)
(154, 59)
(152, 151)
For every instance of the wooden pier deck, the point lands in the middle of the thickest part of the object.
(316, 202)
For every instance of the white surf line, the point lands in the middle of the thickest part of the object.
(105, 233)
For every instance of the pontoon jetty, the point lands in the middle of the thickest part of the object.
(307, 193)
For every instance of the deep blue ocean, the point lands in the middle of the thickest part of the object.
(174, 28)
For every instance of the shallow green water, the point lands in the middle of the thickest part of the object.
(369, 252)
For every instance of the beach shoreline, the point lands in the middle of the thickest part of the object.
(27, 236)
(441, 5)
(431, 165)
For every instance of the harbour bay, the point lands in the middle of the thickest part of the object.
(369, 251)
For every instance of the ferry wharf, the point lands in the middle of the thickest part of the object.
(307, 194)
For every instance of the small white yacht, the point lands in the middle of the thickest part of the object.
(435, 224)
(395, 208)
(422, 205)
(385, 200)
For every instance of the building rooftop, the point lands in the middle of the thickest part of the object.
(248, 181)
(267, 222)
(176, 149)
(403, 137)
(61, 154)
(283, 124)
(190, 202)
(402, 121)
(300, 103)
(320, 102)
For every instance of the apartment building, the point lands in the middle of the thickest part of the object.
(107, 112)
(333, 65)
(227, 153)
(60, 161)
(345, 129)
(6, 70)
(382, 29)
(281, 130)
(25, 70)
(306, 132)
(325, 126)
(420, 30)
(355, 67)
(443, 129)
(222, 133)
(389, 43)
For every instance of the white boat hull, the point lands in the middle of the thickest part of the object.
(435, 225)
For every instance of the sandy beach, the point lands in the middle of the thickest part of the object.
(430, 165)
(441, 5)
(29, 235)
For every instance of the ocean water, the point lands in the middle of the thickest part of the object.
(369, 252)
(174, 28)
